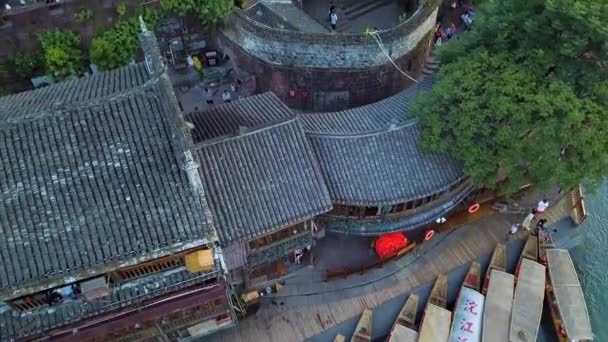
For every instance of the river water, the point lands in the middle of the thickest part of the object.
(591, 260)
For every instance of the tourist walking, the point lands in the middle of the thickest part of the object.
(208, 96)
(542, 206)
(226, 96)
(528, 220)
(540, 225)
(333, 19)
(512, 231)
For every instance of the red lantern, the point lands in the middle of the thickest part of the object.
(389, 244)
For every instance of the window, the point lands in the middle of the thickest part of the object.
(371, 211)
(144, 269)
(280, 235)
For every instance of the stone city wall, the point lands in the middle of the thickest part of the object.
(324, 72)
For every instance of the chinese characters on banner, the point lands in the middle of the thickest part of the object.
(468, 315)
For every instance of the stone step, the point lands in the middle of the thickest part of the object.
(360, 9)
(296, 17)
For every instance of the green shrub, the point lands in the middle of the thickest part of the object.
(62, 55)
(121, 9)
(27, 65)
(117, 47)
(211, 11)
(83, 15)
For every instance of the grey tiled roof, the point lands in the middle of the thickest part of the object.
(56, 96)
(227, 118)
(133, 292)
(393, 110)
(383, 167)
(92, 184)
(261, 180)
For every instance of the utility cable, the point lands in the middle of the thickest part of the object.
(378, 40)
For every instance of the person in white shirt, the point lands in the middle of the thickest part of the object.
(226, 96)
(512, 231)
(333, 18)
(542, 206)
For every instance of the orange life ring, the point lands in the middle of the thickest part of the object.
(562, 330)
(474, 208)
(429, 235)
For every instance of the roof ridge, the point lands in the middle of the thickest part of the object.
(250, 131)
(346, 135)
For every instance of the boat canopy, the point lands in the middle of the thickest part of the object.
(527, 302)
(497, 311)
(468, 315)
(435, 324)
(403, 334)
(568, 295)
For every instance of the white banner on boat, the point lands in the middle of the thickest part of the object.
(468, 316)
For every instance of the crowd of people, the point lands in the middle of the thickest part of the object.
(443, 34)
(537, 214)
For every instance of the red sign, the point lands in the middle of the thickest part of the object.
(304, 93)
(292, 93)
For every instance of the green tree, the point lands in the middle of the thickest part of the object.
(211, 11)
(117, 47)
(27, 65)
(525, 93)
(62, 55)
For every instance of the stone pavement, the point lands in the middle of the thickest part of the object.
(307, 305)
(356, 15)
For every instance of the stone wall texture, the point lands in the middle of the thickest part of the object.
(324, 72)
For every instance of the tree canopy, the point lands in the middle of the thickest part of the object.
(524, 94)
(211, 11)
(62, 54)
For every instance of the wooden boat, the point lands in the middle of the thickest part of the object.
(529, 252)
(545, 242)
(363, 331)
(435, 325)
(565, 298)
(468, 311)
(404, 328)
(498, 306)
(527, 302)
(498, 262)
(439, 293)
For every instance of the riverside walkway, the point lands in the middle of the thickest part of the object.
(306, 306)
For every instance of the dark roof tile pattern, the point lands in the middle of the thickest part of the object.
(382, 168)
(261, 180)
(56, 96)
(87, 186)
(393, 110)
(228, 118)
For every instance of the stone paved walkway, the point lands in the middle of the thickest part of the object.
(307, 306)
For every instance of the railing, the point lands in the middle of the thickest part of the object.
(426, 7)
(579, 212)
(464, 186)
(279, 249)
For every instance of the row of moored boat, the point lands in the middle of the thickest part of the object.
(504, 307)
